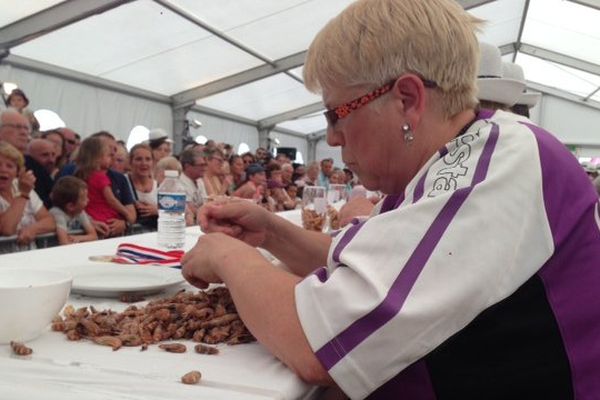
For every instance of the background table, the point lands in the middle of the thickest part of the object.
(60, 369)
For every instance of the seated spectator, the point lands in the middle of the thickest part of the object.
(168, 163)
(93, 161)
(22, 213)
(145, 187)
(227, 150)
(263, 157)
(40, 160)
(276, 189)
(172, 164)
(15, 129)
(312, 175)
(72, 141)
(292, 191)
(299, 172)
(210, 145)
(121, 160)
(255, 185)
(119, 186)
(70, 197)
(338, 177)
(282, 158)
(213, 176)
(248, 158)
(160, 143)
(349, 177)
(287, 172)
(60, 151)
(236, 169)
(193, 164)
(17, 100)
(326, 170)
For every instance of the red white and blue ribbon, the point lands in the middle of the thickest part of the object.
(128, 253)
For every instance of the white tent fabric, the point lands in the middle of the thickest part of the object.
(240, 62)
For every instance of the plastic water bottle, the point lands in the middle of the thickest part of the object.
(171, 212)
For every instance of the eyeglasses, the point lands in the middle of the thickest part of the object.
(16, 126)
(342, 111)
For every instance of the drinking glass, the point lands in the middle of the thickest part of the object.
(314, 208)
(336, 192)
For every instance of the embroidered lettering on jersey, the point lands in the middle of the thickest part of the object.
(456, 160)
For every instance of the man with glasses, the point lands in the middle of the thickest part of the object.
(15, 129)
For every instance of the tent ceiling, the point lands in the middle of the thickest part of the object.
(244, 58)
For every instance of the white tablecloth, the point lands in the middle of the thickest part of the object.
(59, 369)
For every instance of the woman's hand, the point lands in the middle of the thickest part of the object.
(237, 218)
(146, 209)
(200, 266)
(26, 182)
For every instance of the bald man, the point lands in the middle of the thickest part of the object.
(40, 159)
(15, 129)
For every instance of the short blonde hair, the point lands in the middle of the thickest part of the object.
(168, 163)
(9, 151)
(375, 41)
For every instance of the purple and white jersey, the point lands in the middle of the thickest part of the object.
(479, 281)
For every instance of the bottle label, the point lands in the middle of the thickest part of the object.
(174, 202)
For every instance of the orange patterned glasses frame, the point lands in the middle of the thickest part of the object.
(342, 111)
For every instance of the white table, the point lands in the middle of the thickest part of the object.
(59, 369)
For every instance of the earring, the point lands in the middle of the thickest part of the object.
(408, 136)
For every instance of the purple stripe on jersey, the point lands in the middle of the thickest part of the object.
(321, 273)
(359, 330)
(348, 235)
(571, 276)
(443, 151)
(485, 113)
(399, 201)
(420, 188)
(389, 202)
(412, 383)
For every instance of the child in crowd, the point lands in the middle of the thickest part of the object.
(93, 160)
(70, 197)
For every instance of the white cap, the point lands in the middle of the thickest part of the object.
(491, 83)
(171, 173)
(158, 134)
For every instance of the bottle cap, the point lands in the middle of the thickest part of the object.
(171, 173)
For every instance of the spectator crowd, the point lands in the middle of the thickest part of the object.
(82, 190)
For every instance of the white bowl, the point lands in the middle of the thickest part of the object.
(30, 299)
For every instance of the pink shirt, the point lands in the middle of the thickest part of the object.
(98, 208)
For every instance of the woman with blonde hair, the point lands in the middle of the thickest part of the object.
(145, 187)
(22, 213)
(475, 277)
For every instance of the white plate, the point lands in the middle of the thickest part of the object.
(112, 280)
